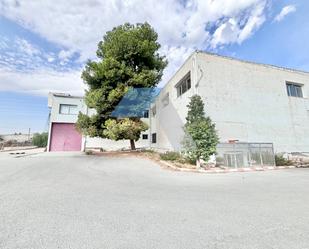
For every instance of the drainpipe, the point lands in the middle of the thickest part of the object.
(199, 79)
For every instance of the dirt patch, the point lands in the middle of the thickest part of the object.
(150, 155)
(153, 156)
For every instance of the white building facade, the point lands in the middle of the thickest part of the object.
(248, 102)
(63, 136)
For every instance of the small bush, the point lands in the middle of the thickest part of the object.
(186, 160)
(89, 152)
(281, 161)
(170, 156)
(40, 139)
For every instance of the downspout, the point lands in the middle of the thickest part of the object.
(199, 69)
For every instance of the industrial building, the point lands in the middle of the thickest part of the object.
(249, 103)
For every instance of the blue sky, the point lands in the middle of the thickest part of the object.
(44, 46)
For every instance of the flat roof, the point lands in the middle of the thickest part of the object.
(252, 62)
(66, 95)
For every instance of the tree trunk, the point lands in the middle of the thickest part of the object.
(132, 143)
(198, 163)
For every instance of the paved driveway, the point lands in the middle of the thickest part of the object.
(95, 202)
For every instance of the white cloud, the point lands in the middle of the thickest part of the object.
(50, 58)
(175, 56)
(226, 33)
(182, 28)
(284, 12)
(255, 20)
(42, 81)
(65, 54)
(26, 47)
(235, 31)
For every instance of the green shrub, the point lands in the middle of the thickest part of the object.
(40, 139)
(200, 135)
(186, 160)
(89, 152)
(170, 156)
(281, 161)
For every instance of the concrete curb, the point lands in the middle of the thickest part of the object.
(216, 170)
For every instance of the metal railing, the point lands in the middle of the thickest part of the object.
(241, 155)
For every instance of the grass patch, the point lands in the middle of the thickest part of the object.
(170, 156)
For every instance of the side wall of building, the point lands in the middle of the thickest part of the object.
(247, 101)
(170, 116)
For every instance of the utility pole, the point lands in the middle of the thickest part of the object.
(29, 135)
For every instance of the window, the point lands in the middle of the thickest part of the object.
(146, 114)
(68, 109)
(145, 136)
(294, 89)
(183, 85)
(154, 138)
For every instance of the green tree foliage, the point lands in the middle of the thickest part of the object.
(40, 139)
(124, 129)
(127, 57)
(201, 138)
(281, 161)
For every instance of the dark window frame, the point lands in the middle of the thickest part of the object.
(146, 114)
(184, 84)
(154, 138)
(294, 89)
(69, 106)
(144, 136)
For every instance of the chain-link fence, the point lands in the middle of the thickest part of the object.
(241, 155)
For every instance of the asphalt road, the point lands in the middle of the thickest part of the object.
(93, 202)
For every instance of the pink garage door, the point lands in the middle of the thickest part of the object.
(64, 137)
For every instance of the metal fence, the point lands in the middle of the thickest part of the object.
(242, 155)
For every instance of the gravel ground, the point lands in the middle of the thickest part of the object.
(75, 201)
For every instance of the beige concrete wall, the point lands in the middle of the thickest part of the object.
(110, 145)
(247, 101)
(170, 119)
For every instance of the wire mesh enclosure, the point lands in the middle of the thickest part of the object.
(242, 155)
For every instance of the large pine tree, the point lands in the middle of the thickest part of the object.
(127, 58)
